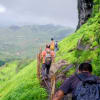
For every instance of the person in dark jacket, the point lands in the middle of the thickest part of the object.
(56, 46)
(70, 84)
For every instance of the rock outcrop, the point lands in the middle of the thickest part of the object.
(56, 66)
(84, 11)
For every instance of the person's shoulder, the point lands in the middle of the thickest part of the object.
(52, 52)
(71, 79)
(43, 52)
(73, 76)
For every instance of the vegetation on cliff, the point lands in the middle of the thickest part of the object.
(81, 46)
(23, 85)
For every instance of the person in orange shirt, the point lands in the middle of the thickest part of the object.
(47, 58)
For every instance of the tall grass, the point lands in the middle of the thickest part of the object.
(22, 86)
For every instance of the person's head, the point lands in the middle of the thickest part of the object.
(47, 45)
(52, 39)
(85, 67)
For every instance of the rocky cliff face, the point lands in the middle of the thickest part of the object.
(84, 11)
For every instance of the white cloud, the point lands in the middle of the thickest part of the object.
(22, 12)
(2, 9)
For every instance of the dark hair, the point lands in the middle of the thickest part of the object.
(47, 46)
(52, 39)
(85, 67)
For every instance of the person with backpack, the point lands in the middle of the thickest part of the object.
(56, 46)
(82, 85)
(47, 58)
(52, 44)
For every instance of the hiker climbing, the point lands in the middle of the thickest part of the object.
(82, 85)
(56, 46)
(47, 58)
(52, 44)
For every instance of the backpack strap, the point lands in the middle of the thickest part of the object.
(92, 79)
(77, 76)
(81, 77)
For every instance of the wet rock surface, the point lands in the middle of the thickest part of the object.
(84, 11)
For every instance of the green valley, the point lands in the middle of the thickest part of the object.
(24, 41)
(18, 80)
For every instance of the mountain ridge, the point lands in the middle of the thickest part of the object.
(81, 46)
(19, 41)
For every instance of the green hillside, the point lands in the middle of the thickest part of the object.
(20, 86)
(89, 36)
(81, 46)
(24, 41)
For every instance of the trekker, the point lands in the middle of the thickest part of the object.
(48, 58)
(82, 85)
(56, 46)
(52, 44)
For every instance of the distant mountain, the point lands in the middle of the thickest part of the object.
(24, 41)
(14, 28)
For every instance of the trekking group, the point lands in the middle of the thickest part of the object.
(48, 57)
(83, 85)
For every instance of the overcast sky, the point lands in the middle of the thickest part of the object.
(25, 12)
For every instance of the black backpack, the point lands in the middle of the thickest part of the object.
(87, 88)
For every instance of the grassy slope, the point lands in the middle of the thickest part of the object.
(24, 42)
(25, 86)
(90, 34)
(21, 86)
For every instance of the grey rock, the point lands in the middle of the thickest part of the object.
(84, 11)
(68, 68)
(87, 47)
(79, 45)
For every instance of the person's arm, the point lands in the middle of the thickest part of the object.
(59, 95)
(64, 89)
(43, 56)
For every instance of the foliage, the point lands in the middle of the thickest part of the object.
(58, 84)
(89, 34)
(24, 41)
(96, 7)
(25, 85)
(2, 63)
(21, 86)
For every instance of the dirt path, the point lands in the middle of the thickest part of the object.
(53, 71)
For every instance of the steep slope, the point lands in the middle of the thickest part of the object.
(24, 41)
(81, 46)
(20, 86)
(84, 45)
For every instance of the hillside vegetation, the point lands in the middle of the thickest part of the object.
(81, 46)
(20, 86)
(88, 49)
(24, 41)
